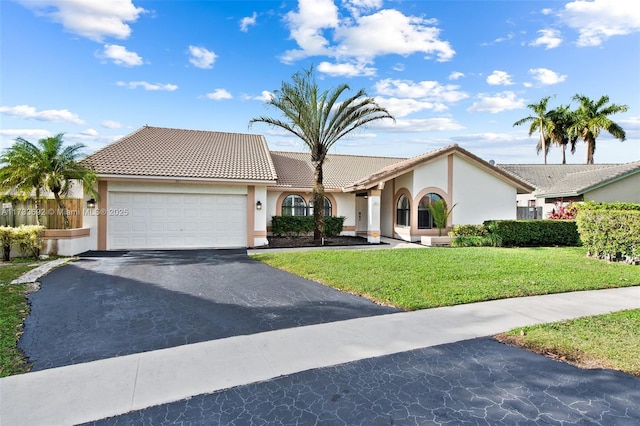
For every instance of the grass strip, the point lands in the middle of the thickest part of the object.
(13, 311)
(602, 341)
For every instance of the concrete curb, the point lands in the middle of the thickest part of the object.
(35, 274)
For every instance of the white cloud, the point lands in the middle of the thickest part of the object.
(363, 37)
(546, 76)
(456, 75)
(8, 136)
(356, 7)
(346, 69)
(248, 21)
(219, 94)
(401, 107)
(110, 124)
(306, 26)
(598, 20)
(120, 55)
(431, 90)
(549, 38)
(148, 86)
(419, 125)
(499, 78)
(497, 103)
(201, 57)
(56, 115)
(92, 19)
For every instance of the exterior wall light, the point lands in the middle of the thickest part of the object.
(91, 203)
(259, 205)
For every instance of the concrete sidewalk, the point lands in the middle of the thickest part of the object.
(95, 390)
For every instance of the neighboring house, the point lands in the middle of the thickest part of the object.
(562, 183)
(171, 188)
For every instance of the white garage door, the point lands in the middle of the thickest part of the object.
(143, 220)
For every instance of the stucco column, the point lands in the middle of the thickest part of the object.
(373, 221)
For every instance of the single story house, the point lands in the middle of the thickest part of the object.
(163, 188)
(562, 183)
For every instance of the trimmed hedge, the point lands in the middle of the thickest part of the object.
(295, 226)
(533, 233)
(611, 231)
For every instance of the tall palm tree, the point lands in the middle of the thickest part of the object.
(592, 117)
(48, 165)
(539, 123)
(319, 119)
(562, 119)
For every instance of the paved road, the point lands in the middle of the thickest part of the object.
(101, 307)
(475, 382)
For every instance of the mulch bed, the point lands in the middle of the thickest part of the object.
(304, 241)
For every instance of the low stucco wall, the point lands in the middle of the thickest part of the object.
(66, 242)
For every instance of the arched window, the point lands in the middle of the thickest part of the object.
(294, 205)
(403, 212)
(425, 219)
(327, 207)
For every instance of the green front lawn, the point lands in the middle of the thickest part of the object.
(603, 341)
(13, 310)
(425, 278)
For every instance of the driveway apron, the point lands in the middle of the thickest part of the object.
(112, 304)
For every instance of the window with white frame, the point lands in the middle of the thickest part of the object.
(294, 205)
(403, 211)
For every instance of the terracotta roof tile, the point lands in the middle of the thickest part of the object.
(164, 152)
(296, 171)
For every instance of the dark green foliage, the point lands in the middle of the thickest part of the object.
(533, 233)
(333, 225)
(295, 226)
(470, 241)
(610, 233)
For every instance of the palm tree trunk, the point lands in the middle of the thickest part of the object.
(543, 143)
(37, 206)
(564, 154)
(63, 208)
(318, 204)
(591, 148)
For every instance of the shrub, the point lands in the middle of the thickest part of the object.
(27, 237)
(533, 233)
(468, 231)
(612, 231)
(470, 241)
(563, 211)
(295, 226)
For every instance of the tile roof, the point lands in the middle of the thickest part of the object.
(296, 171)
(569, 179)
(198, 154)
(403, 166)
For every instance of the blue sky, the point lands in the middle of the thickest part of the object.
(449, 71)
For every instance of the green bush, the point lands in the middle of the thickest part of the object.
(533, 233)
(295, 226)
(27, 237)
(468, 231)
(611, 232)
(470, 241)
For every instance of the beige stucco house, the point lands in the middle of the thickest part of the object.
(163, 188)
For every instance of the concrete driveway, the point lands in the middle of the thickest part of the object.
(112, 304)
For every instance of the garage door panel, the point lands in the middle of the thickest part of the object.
(158, 220)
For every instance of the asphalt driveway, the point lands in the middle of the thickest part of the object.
(112, 304)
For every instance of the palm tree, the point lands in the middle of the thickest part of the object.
(562, 119)
(592, 117)
(320, 120)
(48, 165)
(540, 123)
